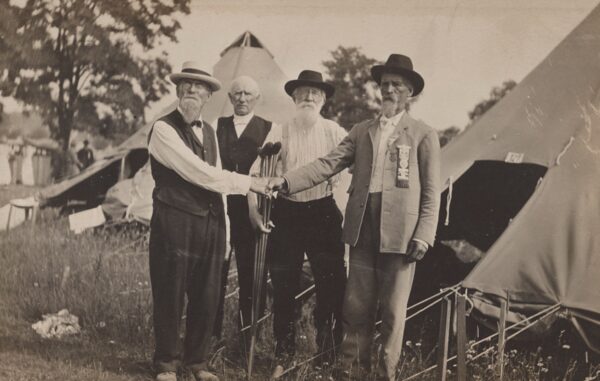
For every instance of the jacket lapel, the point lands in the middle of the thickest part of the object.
(372, 128)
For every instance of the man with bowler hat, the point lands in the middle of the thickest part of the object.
(391, 215)
(187, 229)
(308, 222)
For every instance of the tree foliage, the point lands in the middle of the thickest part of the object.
(86, 64)
(497, 93)
(448, 134)
(356, 97)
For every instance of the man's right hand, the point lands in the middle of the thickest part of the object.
(260, 185)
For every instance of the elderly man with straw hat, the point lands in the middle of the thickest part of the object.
(306, 223)
(391, 215)
(187, 230)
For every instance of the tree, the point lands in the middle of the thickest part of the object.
(86, 64)
(448, 134)
(356, 97)
(497, 93)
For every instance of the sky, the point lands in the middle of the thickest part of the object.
(462, 48)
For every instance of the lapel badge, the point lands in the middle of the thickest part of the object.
(402, 167)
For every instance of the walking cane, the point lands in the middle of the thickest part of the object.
(268, 156)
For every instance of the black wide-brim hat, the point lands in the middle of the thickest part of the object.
(312, 79)
(402, 65)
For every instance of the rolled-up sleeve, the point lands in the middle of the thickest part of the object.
(168, 149)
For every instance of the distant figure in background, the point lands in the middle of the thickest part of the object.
(240, 135)
(15, 161)
(72, 165)
(85, 155)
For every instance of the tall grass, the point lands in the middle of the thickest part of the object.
(101, 276)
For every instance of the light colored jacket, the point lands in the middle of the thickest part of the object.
(406, 213)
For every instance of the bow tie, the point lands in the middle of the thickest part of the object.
(196, 123)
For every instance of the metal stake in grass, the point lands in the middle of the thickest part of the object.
(268, 156)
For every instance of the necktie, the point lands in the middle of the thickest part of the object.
(196, 123)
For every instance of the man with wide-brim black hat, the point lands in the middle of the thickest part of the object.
(391, 215)
(187, 229)
(308, 222)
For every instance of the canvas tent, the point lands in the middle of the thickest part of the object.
(126, 167)
(523, 184)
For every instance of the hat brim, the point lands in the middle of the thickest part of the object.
(415, 78)
(212, 82)
(292, 85)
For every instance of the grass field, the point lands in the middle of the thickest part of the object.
(101, 276)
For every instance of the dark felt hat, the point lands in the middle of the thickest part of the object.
(402, 65)
(309, 78)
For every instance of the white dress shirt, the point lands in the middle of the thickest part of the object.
(303, 145)
(382, 135)
(240, 122)
(167, 147)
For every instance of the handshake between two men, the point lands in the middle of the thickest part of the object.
(267, 186)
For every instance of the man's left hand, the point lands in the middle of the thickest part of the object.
(416, 251)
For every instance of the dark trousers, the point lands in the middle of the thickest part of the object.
(313, 228)
(244, 259)
(186, 258)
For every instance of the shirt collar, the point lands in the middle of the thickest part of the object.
(242, 119)
(197, 120)
(393, 121)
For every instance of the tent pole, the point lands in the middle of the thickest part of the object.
(502, 337)
(442, 355)
(461, 337)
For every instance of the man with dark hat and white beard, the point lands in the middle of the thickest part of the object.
(187, 230)
(307, 222)
(391, 215)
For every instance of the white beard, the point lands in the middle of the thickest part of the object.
(190, 108)
(306, 116)
(389, 108)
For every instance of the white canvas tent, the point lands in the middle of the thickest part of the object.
(525, 188)
(245, 56)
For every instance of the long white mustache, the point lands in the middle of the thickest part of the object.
(190, 108)
(307, 113)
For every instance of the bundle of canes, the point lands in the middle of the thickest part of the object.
(269, 154)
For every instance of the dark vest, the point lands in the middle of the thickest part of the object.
(238, 155)
(174, 190)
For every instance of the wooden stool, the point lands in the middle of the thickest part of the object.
(30, 205)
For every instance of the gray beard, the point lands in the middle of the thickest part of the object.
(190, 109)
(306, 117)
(390, 109)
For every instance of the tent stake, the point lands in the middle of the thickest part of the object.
(502, 337)
(442, 355)
(461, 337)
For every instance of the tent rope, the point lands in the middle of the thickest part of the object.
(560, 155)
(448, 200)
(541, 315)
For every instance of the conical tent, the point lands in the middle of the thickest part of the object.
(538, 147)
(246, 56)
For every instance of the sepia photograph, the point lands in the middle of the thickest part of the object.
(334, 190)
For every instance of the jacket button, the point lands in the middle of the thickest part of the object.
(210, 205)
(362, 204)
